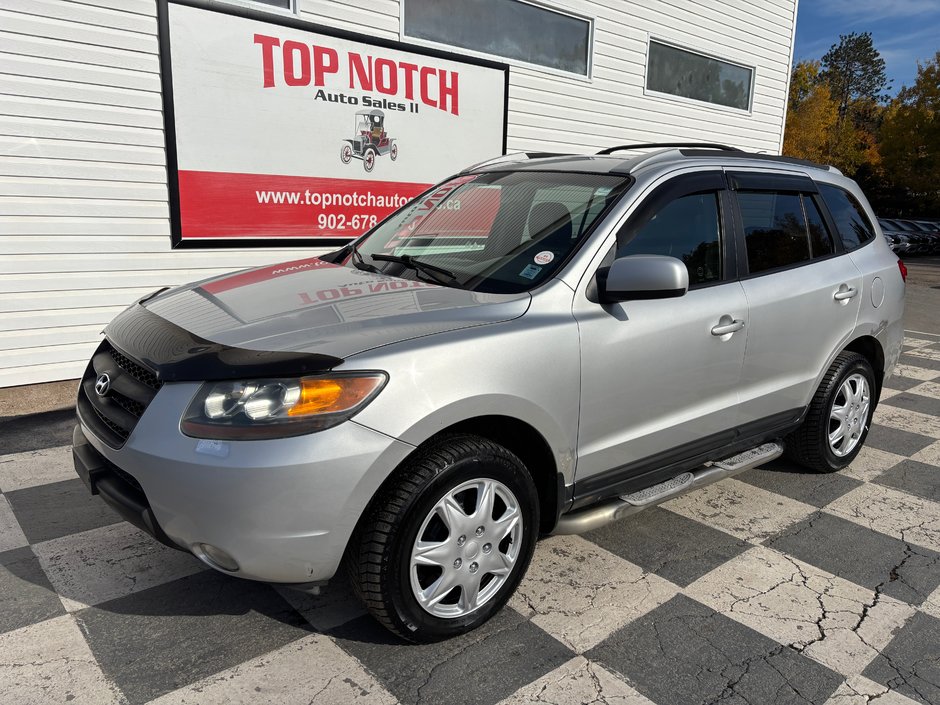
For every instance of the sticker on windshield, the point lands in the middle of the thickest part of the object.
(544, 257)
(530, 272)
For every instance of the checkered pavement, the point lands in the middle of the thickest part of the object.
(777, 586)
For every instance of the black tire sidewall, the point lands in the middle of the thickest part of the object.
(503, 467)
(857, 366)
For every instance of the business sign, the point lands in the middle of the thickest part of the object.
(280, 131)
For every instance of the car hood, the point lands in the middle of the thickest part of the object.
(313, 306)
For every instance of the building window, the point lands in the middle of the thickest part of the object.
(687, 74)
(511, 29)
(288, 5)
(283, 4)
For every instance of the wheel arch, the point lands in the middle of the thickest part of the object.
(526, 442)
(870, 348)
(519, 437)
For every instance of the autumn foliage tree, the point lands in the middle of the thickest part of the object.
(910, 142)
(855, 73)
(837, 113)
(814, 128)
(811, 114)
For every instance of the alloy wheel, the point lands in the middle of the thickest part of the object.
(849, 415)
(466, 548)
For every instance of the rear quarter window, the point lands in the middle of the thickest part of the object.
(851, 222)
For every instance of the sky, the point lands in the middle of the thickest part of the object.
(903, 31)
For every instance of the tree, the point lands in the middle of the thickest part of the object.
(855, 71)
(811, 115)
(803, 79)
(814, 131)
(910, 142)
(833, 111)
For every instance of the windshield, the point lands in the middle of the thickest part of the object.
(501, 232)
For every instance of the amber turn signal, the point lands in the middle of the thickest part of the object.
(328, 396)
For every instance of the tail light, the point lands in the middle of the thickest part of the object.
(903, 268)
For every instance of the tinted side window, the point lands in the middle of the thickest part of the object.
(687, 229)
(774, 229)
(851, 221)
(819, 238)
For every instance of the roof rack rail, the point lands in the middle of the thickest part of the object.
(654, 145)
(511, 157)
(766, 157)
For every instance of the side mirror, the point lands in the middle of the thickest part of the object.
(642, 277)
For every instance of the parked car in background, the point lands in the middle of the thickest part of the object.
(911, 238)
(897, 238)
(920, 240)
(932, 229)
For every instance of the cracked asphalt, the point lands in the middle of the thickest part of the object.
(776, 586)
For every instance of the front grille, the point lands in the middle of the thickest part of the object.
(133, 386)
(137, 371)
(135, 408)
(113, 427)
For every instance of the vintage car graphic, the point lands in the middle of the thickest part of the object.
(370, 141)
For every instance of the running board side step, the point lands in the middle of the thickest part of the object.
(594, 517)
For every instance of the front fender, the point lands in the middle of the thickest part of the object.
(561, 441)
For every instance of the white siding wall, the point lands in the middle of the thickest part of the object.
(84, 224)
(567, 114)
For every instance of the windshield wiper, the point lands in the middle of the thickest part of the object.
(359, 262)
(430, 270)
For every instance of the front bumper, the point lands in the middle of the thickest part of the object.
(118, 490)
(284, 509)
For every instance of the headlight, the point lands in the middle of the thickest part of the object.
(277, 408)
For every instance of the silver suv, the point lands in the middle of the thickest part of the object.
(541, 344)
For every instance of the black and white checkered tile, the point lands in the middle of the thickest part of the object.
(777, 586)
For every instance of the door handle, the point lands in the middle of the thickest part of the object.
(845, 293)
(725, 328)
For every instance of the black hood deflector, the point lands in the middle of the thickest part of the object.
(176, 355)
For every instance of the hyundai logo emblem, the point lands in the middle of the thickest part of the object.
(103, 384)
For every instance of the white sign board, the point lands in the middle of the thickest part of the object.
(280, 129)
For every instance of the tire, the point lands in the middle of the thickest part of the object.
(368, 159)
(345, 154)
(381, 556)
(849, 382)
(393, 152)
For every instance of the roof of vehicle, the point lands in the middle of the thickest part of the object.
(907, 226)
(630, 161)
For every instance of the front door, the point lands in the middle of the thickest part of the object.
(659, 377)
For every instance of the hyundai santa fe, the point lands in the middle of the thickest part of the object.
(541, 344)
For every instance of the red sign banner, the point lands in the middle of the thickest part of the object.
(218, 205)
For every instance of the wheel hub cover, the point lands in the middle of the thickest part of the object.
(453, 575)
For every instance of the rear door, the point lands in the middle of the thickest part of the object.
(802, 289)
